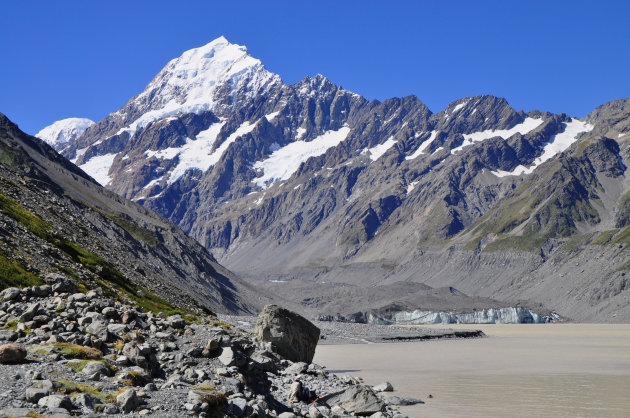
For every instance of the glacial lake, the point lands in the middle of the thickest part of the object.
(537, 370)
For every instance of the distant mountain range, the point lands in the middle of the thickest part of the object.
(313, 192)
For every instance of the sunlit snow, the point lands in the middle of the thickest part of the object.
(459, 106)
(272, 116)
(528, 125)
(411, 186)
(98, 168)
(556, 145)
(423, 147)
(196, 153)
(63, 131)
(300, 133)
(282, 163)
(377, 151)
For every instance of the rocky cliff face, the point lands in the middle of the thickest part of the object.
(312, 181)
(55, 221)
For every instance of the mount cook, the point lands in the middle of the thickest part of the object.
(339, 203)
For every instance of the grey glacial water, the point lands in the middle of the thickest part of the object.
(533, 370)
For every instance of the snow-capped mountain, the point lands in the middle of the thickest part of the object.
(64, 131)
(314, 182)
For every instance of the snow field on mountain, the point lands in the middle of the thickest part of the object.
(423, 147)
(283, 162)
(528, 125)
(98, 168)
(377, 151)
(556, 145)
(195, 153)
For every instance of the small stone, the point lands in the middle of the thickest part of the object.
(33, 395)
(227, 356)
(93, 367)
(383, 387)
(109, 312)
(296, 368)
(176, 322)
(111, 410)
(192, 406)
(150, 387)
(12, 353)
(213, 347)
(85, 400)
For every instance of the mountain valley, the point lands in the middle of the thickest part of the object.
(341, 205)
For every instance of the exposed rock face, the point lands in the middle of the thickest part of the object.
(291, 335)
(12, 353)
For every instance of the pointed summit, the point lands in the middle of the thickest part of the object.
(218, 76)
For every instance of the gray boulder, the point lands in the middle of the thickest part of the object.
(30, 313)
(96, 367)
(56, 401)
(64, 286)
(10, 293)
(291, 335)
(99, 329)
(135, 355)
(128, 400)
(33, 394)
(238, 406)
(8, 335)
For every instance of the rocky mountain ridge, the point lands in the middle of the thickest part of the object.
(311, 187)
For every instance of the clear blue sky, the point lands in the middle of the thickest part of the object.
(87, 58)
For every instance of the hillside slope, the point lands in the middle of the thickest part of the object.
(56, 220)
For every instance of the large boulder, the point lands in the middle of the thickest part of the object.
(12, 353)
(291, 335)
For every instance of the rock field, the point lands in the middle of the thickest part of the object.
(74, 353)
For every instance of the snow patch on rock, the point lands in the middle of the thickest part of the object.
(558, 143)
(283, 162)
(528, 125)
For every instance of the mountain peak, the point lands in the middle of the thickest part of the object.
(215, 77)
(60, 133)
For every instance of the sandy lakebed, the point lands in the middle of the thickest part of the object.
(543, 370)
